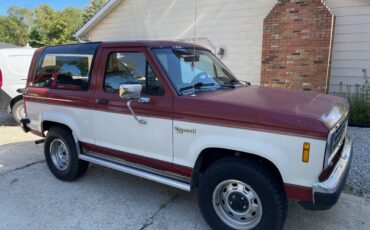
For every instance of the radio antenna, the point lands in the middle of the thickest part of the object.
(195, 39)
(195, 21)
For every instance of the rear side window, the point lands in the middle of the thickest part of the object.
(65, 67)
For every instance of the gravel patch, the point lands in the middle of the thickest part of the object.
(358, 182)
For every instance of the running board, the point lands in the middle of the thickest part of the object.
(136, 172)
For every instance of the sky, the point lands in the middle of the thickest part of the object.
(56, 4)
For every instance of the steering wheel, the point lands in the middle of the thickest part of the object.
(199, 78)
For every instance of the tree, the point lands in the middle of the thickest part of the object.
(90, 10)
(43, 21)
(74, 19)
(50, 27)
(45, 26)
(14, 27)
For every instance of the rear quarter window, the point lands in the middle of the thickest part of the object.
(65, 67)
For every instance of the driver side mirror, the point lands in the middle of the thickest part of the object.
(130, 91)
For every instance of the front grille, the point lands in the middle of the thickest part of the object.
(337, 136)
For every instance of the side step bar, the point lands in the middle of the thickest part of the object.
(137, 172)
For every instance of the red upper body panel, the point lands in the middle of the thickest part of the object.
(272, 109)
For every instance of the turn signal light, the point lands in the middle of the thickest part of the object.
(306, 152)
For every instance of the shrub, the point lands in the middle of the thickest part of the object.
(359, 100)
(359, 108)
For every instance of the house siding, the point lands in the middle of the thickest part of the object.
(351, 47)
(237, 26)
(234, 25)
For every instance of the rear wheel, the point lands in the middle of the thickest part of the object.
(61, 155)
(18, 111)
(236, 193)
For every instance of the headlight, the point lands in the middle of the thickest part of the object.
(334, 116)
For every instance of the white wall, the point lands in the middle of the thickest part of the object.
(351, 48)
(235, 25)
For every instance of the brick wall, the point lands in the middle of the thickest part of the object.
(297, 40)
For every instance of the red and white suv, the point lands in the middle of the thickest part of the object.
(173, 113)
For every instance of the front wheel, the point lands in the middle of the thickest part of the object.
(237, 193)
(18, 111)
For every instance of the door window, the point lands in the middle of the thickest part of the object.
(131, 68)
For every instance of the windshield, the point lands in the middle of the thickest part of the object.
(194, 73)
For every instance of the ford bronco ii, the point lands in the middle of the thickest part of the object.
(173, 113)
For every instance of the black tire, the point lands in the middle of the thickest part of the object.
(17, 110)
(266, 185)
(75, 167)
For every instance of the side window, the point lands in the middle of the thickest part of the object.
(63, 71)
(131, 68)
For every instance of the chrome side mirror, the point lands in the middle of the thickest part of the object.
(130, 91)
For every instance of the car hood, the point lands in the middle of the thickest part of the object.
(275, 109)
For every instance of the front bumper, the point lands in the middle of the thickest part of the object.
(326, 193)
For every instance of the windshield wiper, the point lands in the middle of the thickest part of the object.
(228, 85)
(196, 86)
(231, 84)
(233, 81)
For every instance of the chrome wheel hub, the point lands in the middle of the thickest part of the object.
(20, 112)
(59, 154)
(237, 204)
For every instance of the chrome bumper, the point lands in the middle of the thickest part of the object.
(326, 193)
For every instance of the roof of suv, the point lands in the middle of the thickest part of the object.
(143, 43)
(149, 43)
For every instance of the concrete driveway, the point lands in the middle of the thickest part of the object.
(31, 198)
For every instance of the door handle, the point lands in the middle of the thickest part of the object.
(102, 101)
